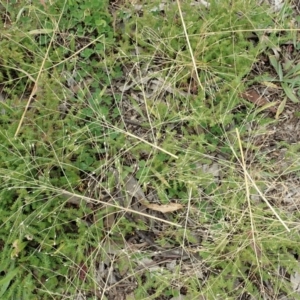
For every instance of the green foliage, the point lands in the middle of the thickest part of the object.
(39, 230)
(224, 54)
(241, 272)
(48, 244)
(287, 76)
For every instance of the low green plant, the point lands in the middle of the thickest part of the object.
(287, 76)
(236, 256)
(43, 238)
(71, 142)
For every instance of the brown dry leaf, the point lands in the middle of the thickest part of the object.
(295, 281)
(163, 208)
(34, 91)
(43, 2)
(133, 187)
(254, 97)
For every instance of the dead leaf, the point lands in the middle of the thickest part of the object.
(295, 281)
(164, 208)
(43, 2)
(83, 271)
(253, 96)
(133, 187)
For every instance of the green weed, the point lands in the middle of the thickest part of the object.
(73, 76)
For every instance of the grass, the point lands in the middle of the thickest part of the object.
(132, 167)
